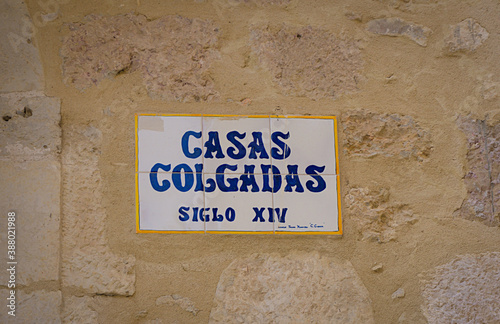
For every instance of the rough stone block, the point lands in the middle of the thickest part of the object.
(309, 62)
(79, 310)
(20, 66)
(369, 134)
(97, 270)
(410, 6)
(375, 217)
(29, 127)
(172, 53)
(87, 261)
(183, 302)
(399, 27)
(466, 36)
(267, 3)
(40, 306)
(482, 177)
(298, 288)
(465, 290)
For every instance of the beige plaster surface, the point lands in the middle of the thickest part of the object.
(431, 85)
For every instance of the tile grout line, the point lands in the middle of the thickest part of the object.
(272, 165)
(203, 172)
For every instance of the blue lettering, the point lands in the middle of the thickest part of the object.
(280, 214)
(231, 136)
(195, 213)
(230, 214)
(216, 217)
(153, 177)
(211, 186)
(203, 214)
(285, 149)
(258, 214)
(185, 144)
(257, 146)
(271, 214)
(292, 179)
(233, 182)
(185, 216)
(199, 177)
(204, 217)
(265, 176)
(248, 179)
(313, 171)
(213, 145)
(188, 177)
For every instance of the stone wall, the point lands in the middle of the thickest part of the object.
(414, 84)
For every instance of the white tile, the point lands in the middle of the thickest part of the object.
(249, 146)
(308, 211)
(160, 141)
(251, 209)
(160, 210)
(309, 142)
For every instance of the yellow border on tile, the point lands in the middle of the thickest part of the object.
(334, 118)
(137, 229)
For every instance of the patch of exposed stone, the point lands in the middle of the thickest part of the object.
(376, 218)
(466, 36)
(482, 177)
(488, 88)
(298, 288)
(465, 290)
(408, 5)
(399, 27)
(183, 302)
(172, 53)
(309, 62)
(266, 3)
(88, 262)
(79, 310)
(369, 134)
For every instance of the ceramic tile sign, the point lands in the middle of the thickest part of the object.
(237, 174)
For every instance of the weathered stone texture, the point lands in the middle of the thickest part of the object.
(183, 302)
(29, 128)
(369, 134)
(375, 217)
(408, 5)
(400, 293)
(172, 53)
(79, 310)
(399, 27)
(40, 306)
(29, 144)
(482, 177)
(309, 62)
(298, 288)
(88, 262)
(466, 36)
(489, 87)
(154, 321)
(20, 65)
(267, 3)
(465, 290)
